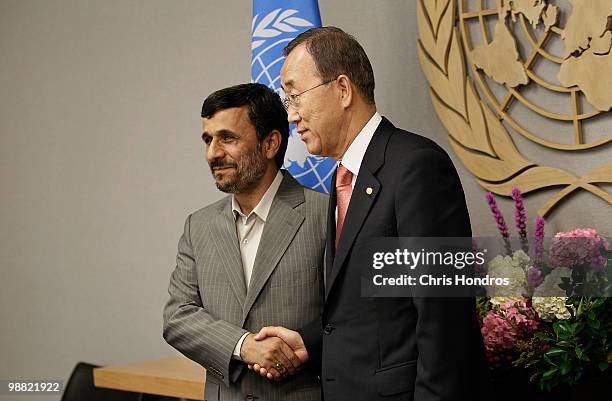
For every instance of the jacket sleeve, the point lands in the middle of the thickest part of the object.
(450, 354)
(190, 328)
(312, 337)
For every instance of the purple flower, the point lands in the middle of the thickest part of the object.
(538, 241)
(520, 217)
(534, 277)
(499, 219)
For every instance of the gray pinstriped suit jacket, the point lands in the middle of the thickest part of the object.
(210, 308)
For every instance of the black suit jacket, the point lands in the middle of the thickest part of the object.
(422, 349)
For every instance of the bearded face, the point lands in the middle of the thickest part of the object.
(238, 175)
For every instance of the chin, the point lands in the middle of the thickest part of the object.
(226, 186)
(222, 181)
(313, 149)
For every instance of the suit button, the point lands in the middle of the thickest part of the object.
(328, 329)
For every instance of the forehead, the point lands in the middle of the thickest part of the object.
(235, 119)
(298, 69)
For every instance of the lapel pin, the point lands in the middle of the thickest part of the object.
(369, 190)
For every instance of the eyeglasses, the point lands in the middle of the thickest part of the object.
(293, 99)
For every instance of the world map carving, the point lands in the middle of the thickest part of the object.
(479, 127)
(588, 60)
(587, 37)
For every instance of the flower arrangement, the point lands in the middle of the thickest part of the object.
(554, 330)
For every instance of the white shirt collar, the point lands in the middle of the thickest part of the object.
(354, 154)
(265, 203)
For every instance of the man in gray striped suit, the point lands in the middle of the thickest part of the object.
(250, 260)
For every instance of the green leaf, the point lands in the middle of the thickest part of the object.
(594, 323)
(542, 336)
(555, 351)
(549, 373)
(559, 327)
(550, 361)
(603, 366)
(577, 327)
(565, 368)
(578, 376)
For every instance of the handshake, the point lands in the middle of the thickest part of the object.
(274, 352)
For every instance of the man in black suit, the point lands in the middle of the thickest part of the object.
(389, 183)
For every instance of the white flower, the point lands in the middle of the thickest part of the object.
(521, 259)
(549, 308)
(512, 268)
(549, 301)
(503, 300)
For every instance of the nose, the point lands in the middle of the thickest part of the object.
(292, 115)
(214, 150)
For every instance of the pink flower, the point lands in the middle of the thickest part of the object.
(597, 260)
(504, 325)
(577, 247)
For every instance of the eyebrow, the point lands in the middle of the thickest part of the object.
(221, 132)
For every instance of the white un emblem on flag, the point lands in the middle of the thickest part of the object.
(272, 29)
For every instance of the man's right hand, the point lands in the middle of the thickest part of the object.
(290, 337)
(271, 354)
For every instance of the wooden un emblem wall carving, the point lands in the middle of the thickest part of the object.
(477, 124)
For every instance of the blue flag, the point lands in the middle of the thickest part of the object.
(275, 24)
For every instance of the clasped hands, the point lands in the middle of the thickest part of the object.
(274, 352)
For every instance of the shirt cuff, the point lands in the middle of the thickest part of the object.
(236, 354)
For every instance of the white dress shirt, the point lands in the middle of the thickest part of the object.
(249, 230)
(353, 156)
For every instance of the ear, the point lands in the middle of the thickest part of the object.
(271, 144)
(346, 90)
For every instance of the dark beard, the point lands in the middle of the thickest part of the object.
(249, 171)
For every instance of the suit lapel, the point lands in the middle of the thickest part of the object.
(281, 226)
(330, 246)
(361, 202)
(223, 234)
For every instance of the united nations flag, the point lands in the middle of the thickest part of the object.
(275, 24)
